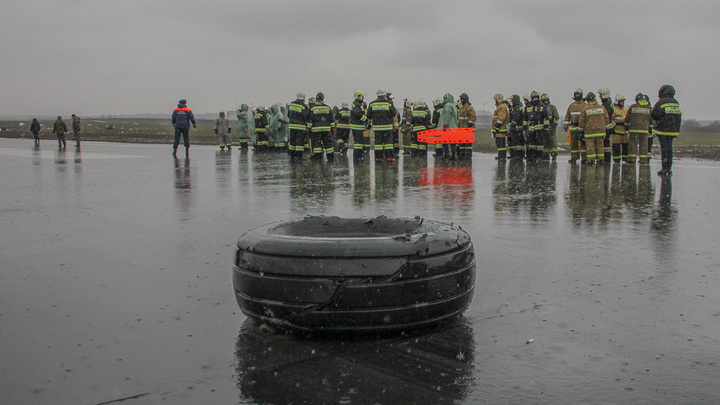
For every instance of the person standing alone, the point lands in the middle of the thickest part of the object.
(667, 117)
(182, 117)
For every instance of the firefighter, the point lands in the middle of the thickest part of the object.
(551, 148)
(277, 129)
(222, 131)
(667, 118)
(396, 126)
(607, 103)
(651, 137)
(322, 128)
(572, 118)
(358, 124)
(299, 122)
(515, 129)
(261, 127)
(498, 125)
(437, 107)
(406, 128)
(449, 119)
(343, 128)
(382, 116)
(243, 126)
(618, 139)
(420, 121)
(466, 119)
(593, 121)
(535, 122)
(638, 125)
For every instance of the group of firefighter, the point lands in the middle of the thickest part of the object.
(325, 131)
(523, 128)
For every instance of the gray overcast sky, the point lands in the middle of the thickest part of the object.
(96, 57)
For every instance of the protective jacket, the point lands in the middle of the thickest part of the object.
(593, 120)
(76, 124)
(449, 113)
(572, 116)
(618, 118)
(35, 126)
(343, 118)
(277, 126)
(222, 126)
(466, 116)
(298, 115)
(182, 117)
(553, 115)
(243, 120)
(59, 127)
(666, 113)
(382, 114)
(358, 115)
(321, 118)
(535, 116)
(637, 119)
(420, 119)
(261, 122)
(436, 116)
(500, 119)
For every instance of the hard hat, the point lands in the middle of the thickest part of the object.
(182, 101)
(261, 108)
(437, 101)
(534, 94)
(508, 100)
(590, 96)
(619, 97)
(578, 91)
(526, 97)
(380, 92)
(222, 112)
(301, 96)
(498, 97)
(604, 93)
(320, 96)
(639, 97)
(545, 97)
(422, 103)
(464, 97)
(359, 94)
(345, 104)
(389, 95)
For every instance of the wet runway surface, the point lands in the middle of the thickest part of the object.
(593, 285)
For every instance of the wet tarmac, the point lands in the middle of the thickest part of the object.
(594, 284)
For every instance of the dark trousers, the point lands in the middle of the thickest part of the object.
(186, 137)
(666, 149)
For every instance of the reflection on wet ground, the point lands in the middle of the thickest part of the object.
(595, 284)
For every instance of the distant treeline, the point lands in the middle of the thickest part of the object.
(692, 125)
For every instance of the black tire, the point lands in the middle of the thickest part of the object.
(354, 274)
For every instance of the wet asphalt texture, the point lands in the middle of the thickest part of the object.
(593, 285)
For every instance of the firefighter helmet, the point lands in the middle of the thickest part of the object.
(359, 94)
(422, 103)
(320, 96)
(380, 92)
(534, 94)
(545, 98)
(301, 96)
(590, 96)
(604, 93)
(618, 98)
(639, 97)
(498, 98)
(464, 98)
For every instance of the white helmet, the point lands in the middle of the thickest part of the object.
(380, 92)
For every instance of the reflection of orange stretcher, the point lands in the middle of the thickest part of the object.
(448, 135)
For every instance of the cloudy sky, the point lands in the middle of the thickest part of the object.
(97, 57)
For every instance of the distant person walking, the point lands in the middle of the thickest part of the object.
(35, 129)
(222, 131)
(76, 129)
(60, 129)
(667, 117)
(181, 119)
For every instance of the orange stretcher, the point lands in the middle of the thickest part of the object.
(447, 135)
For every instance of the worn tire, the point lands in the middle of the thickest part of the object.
(354, 274)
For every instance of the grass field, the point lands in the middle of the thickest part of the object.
(152, 130)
